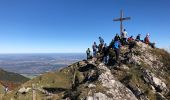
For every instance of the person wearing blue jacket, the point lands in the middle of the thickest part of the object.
(116, 47)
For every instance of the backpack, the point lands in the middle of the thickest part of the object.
(116, 45)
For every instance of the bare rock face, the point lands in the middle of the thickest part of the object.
(98, 96)
(160, 96)
(159, 85)
(114, 88)
(137, 92)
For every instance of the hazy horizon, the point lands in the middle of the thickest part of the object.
(38, 63)
(44, 53)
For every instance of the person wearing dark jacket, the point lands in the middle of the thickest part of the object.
(94, 49)
(117, 37)
(105, 54)
(101, 40)
(101, 45)
(88, 52)
(138, 38)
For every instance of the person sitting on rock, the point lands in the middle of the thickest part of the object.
(117, 37)
(138, 38)
(146, 39)
(94, 49)
(116, 47)
(88, 52)
(130, 39)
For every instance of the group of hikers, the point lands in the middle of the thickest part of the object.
(102, 50)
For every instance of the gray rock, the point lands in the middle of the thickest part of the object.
(99, 96)
(160, 96)
(114, 88)
(91, 86)
(24, 90)
(137, 92)
(151, 79)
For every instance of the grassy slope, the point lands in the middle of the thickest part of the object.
(59, 79)
(12, 77)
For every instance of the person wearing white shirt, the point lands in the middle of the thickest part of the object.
(124, 37)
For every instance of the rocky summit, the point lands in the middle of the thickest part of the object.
(142, 74)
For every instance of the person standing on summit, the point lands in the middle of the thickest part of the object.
(88, 52)
(105, 54)
(124, 37)
(101, 45)
(116, 47)
(101, 40)
(94, 49)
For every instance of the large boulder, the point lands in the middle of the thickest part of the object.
(24, 90)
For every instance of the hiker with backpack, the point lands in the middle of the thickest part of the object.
(88, 52)
(124, 37)
(116, 47)
(94, 49)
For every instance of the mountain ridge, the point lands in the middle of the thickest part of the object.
(143, 74)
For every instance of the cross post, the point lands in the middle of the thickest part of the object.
(121, 19)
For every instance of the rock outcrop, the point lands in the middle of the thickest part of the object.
(157, 83)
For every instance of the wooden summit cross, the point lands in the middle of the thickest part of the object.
(121, 19)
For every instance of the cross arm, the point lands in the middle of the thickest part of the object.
(117, 19)
(127, 18)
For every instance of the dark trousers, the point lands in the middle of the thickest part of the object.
(94, 53)
(117, 52)
(123, 41)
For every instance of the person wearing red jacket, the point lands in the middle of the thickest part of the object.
(146, 39)
(130, 39)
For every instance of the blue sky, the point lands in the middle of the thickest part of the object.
(49, 26)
